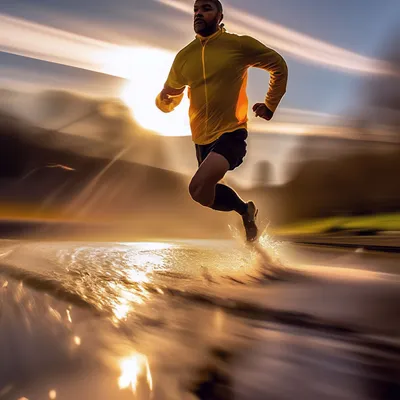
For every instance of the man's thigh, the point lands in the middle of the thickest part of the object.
(211, 171)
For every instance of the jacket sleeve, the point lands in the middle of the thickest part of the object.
(174, 87)
(258, 55)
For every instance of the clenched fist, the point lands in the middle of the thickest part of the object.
(262, 111)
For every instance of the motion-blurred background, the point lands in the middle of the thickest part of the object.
(82, 141)
(136, 308)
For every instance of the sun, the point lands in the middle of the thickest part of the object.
(146, 70)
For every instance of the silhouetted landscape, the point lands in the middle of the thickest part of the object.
(73, 177)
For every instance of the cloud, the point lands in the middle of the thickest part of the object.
(42, 77)
(29, 39)
(296, 44)
(333, 131)
(291, 114)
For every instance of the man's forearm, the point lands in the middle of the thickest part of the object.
(278, 70)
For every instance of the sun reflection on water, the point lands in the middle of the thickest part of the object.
(124, 303)
(139, 267)
(148, 246)
(132, 368)
(121, 310)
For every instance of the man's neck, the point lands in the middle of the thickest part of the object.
(209, 33)
(208, 36)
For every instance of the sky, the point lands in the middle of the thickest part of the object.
(358, 26)
(331, 46)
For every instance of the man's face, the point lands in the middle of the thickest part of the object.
(206, 17)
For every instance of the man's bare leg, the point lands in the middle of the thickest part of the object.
(206, 190)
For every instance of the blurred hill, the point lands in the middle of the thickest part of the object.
(44, 174)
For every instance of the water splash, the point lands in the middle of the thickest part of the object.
(266, 246)
(271, 246)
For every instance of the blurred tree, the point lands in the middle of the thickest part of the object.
(263, 174)
(381, 105)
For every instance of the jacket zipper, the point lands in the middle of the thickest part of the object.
(205, 80)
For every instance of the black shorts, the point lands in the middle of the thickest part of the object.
(231, 145)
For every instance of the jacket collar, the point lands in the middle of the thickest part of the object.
(212, 37)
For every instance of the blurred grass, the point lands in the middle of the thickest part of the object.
(380, 222)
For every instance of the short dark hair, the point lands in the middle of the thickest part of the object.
(218, 4)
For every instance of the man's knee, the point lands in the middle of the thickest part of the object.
(200, 193)
(196, 190)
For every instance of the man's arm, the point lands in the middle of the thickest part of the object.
(260, 56)
(172, 94)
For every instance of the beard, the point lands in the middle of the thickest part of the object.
(206, 29)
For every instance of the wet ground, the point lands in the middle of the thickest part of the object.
(197, 320)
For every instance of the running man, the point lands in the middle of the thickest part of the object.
(214, 68)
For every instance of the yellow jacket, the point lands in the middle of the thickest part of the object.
(215, 70)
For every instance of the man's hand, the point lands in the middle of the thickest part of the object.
(165, 97)
(262, 111)
(168, 99)
(167, 94)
